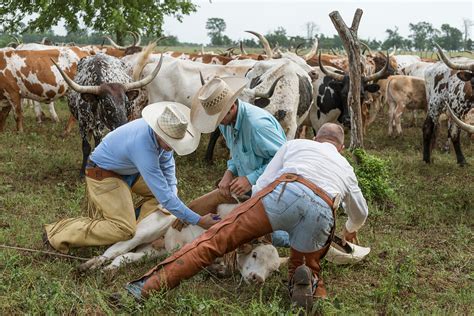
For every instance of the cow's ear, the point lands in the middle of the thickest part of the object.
(464, 75)
(89, 97)
(372, 87)
(132, 94)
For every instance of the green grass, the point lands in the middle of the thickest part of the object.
(421, 260)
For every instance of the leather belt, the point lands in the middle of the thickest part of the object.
(98, 173)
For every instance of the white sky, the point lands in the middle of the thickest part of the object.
(265, 15)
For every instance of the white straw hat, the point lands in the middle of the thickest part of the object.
(213, 100)
(171, 121)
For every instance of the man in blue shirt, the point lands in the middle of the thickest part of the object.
(136, 157)
(252, 135)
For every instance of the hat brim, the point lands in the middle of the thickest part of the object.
(337, 256)
(208, 123)
(183, 146)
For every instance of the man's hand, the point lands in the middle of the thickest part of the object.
(224, 184)
(240, 186)
(178, 224)
(350, 237)
(208, 220)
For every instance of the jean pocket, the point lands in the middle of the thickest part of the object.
(106, 187)
(277, 202)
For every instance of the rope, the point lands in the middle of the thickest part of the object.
(44, 252)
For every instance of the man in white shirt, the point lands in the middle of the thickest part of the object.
(294, 194)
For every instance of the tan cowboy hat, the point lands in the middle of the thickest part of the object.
(213, 100)
(347, 254)
(170, 120)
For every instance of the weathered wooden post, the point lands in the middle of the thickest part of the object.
(351, 45)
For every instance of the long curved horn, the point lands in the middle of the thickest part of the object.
(134, 38)
(264, 41)
(329, 73)
(393, 51)
(452, 65)
(146, 80)
(298, 47)
(139, 38)
(115, 45)
(270, 91)
(16, 39)
(366, 47)
(468, 128)
(380, 74)
(202, 78)
(313, 51)
(77, 87)
(242, 50)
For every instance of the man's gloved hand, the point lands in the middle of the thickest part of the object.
(350, 237)
(240, 186)
(208, 220)
(178, 224)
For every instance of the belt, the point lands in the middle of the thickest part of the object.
(93, 171)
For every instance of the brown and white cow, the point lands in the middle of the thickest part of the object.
(32, 75)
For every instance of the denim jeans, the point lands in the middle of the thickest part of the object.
(301, 213)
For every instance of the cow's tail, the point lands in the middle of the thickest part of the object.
(142, 61)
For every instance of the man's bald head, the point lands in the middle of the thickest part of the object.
(332, 133)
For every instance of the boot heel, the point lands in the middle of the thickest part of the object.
(302, 288)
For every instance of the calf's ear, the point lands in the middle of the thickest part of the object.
(372, 87)
(464, 75)
(132, 94)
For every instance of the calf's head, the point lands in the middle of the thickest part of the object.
(257, 264)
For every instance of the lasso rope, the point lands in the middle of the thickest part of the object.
(44, 252)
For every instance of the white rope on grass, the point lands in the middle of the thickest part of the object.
(44, 252)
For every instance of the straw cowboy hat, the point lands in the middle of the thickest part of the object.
(170, 120)
(213, 100)
(348, 254)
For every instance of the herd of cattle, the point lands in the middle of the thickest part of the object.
(110, 85)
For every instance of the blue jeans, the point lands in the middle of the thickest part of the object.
(301, 213)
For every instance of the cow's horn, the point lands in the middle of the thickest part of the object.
(380, 74)
(366, 47)
(115, 45)
(393, 51)
(313, 51)
(146, 80)
(452, 65)
(329, 73)
(135, 38)
(298, 47)
(16, 39)
(270, 91)
(264, 41)
(77, 87)
(139, 38)
(242, 50)
(468, 128)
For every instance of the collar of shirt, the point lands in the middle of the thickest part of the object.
(240, 115)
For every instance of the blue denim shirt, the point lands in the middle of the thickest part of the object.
(131, 149)
(253, 141)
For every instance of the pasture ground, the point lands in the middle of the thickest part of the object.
(421, 260)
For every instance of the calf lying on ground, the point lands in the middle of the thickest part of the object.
(255, 261)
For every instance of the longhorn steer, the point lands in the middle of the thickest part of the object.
(449, 82)
(102, 96)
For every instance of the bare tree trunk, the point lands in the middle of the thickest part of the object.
(351, 45)
(120, 37)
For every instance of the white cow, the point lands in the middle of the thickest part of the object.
(405, 60)
(254, 265)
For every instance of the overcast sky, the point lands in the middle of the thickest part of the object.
(264, 15)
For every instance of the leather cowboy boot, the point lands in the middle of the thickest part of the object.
(246, 222)
(313, 261)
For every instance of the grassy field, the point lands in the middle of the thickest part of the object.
(421, 260)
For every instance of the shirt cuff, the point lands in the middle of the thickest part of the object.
(252, 178)
(351, 226)
(192, 218)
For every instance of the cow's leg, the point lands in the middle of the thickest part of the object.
(212, 144)
(391, 118)
(428, 138)
(291, 133)
(455, 134)
(4, 110)
(69, 125)
(128, 257)
(52, 111)
(38, 112)
(16, 102)
(149, 229)
(397, 118)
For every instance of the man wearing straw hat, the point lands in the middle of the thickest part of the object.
(136, 157)
(298, 192)
(252, 135)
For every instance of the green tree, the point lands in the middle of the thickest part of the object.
(450, 38)
(394, 39)
(422, 34)
(278, 37)
(111, 17)
(215, 28)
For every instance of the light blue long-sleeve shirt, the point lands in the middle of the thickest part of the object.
(253, 141)
(131, 149)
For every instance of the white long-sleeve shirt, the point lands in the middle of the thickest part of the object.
(324, 166)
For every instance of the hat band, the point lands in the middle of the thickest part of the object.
(215, 105)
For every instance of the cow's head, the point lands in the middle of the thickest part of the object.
(257, 264)
(340, 83)
(111, 102)
(465, 70)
